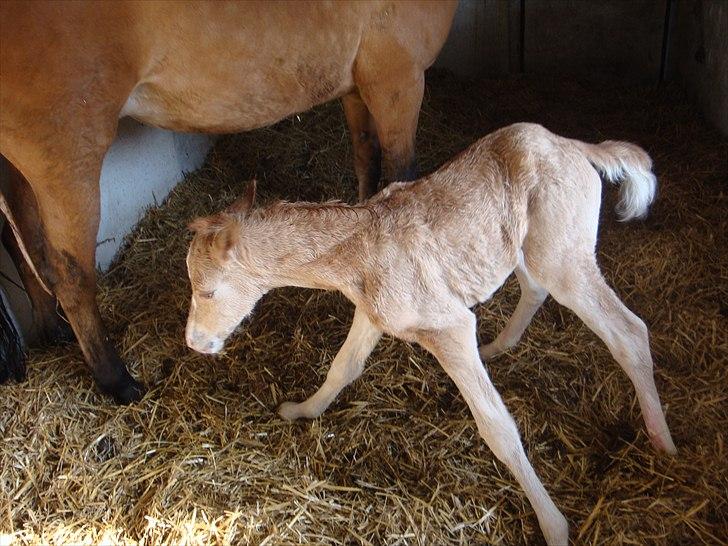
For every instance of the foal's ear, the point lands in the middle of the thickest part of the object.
(242, 205)
(221, 233)
(207, 225)
(224, 243)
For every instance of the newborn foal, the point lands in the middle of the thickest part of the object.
(417, 256)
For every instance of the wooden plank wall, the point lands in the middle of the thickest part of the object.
(619, 38)
(698, 55)
(642, 41)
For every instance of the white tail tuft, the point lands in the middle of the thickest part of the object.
(632, 166)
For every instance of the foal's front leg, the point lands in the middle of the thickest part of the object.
(456, 349)
(346, 367)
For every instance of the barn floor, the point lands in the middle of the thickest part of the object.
(396, 459)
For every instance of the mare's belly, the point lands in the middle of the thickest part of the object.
(234, 66)
(228, 106)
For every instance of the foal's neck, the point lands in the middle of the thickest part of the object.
(317, 245)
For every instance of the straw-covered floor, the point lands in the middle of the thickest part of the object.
(204, 458)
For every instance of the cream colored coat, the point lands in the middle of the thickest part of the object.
(417, 256)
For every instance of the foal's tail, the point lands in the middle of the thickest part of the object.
(622, 161)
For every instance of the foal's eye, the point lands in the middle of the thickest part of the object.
(207, 295)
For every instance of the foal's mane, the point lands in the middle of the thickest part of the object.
(306, 209)
(210, 226)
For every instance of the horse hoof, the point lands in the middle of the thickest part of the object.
(124, 391)
(132, 392)
(290, 411)
(489, 351)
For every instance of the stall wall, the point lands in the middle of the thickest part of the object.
(613, 39)
(640, 41)
(139, 170)
(617, 38)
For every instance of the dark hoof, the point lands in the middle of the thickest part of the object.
(125, 391)
(131, 392)
(406, 174)
(409, 174)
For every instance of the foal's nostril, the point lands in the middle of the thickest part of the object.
(195, 340)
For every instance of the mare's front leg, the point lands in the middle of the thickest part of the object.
(63, 171)
(346, 367)
(456, 348)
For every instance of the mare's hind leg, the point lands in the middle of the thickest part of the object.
(48, 324)
(532, 297)
(364, 140)
(582, 289)
(346, 368)
(394, 99)
(12, 358)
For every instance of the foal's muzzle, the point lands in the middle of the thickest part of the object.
(203, 342)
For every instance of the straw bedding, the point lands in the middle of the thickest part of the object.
(396, 459)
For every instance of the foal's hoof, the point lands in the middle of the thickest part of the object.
(556, 530)
(663, 442)
(289, 411)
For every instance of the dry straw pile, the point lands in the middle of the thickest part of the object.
(396, 460)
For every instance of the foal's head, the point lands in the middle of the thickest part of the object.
(225, 286)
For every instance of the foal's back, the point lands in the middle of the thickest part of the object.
(460, 229)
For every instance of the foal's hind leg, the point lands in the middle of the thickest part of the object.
(346, 368)
(532, 297)
(582, 289)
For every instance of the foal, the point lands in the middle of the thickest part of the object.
(417, 256)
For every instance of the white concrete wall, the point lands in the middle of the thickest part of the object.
(140, 169)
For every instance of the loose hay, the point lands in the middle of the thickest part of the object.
(396, 459)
